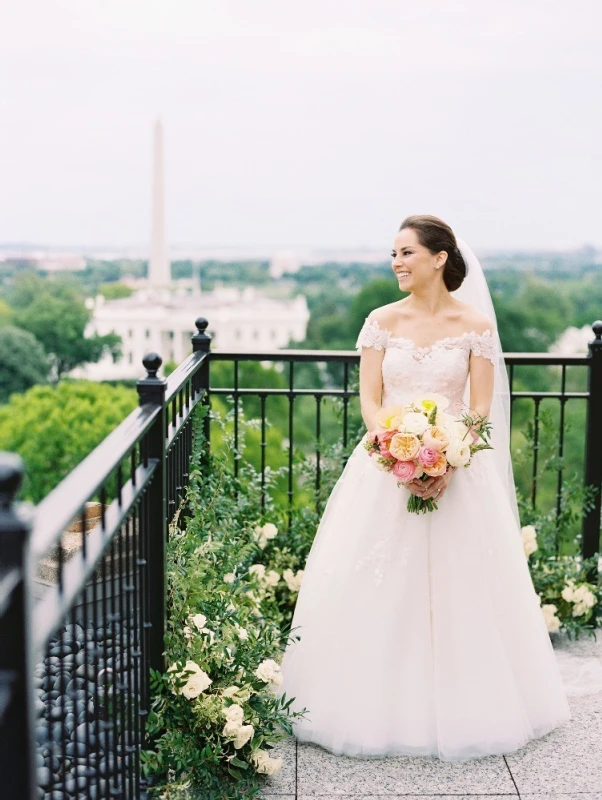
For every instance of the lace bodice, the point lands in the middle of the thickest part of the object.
(409, 371)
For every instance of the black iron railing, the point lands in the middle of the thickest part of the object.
(82, 600)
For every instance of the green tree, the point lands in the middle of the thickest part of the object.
(53, 428)
(6, 314)
(115, 291)
(23, 361)
(54, 311)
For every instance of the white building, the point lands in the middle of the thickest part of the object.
(148, 321)
(159, 316)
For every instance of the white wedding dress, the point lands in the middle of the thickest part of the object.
(421, 634)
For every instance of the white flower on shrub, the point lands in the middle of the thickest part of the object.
(245, 733)
(584, 599)
(269, 672)
(187, 632)
(229, 577)
(250, 593)
(197, 682)
(241, 633)
(234, 713)
(231, 729)
(568, 591)
(263, 763)
(271, 578)
(257, 569)
(529, 535)
(293, 580)
(263, 533)
(199, 620)
(581, 596)
(549, 614)
(210, 633)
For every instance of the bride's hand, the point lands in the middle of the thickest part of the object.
(431, 488)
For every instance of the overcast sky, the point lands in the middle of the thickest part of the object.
(313, 123)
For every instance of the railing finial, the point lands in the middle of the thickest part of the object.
(201, 341)
(151, 389)
(152, 362)
(12, 471)
(597, 329)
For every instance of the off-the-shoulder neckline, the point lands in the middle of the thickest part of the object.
(445, 340)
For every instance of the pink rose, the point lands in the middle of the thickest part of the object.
(428, 456)
(384, 437)
(404, 470)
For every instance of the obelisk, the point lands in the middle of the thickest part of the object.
(159, 270)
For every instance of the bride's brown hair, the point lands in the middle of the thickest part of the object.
(436, 235)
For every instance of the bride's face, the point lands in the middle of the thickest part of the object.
(414, 265)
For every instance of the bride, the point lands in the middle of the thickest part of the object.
(422, 634)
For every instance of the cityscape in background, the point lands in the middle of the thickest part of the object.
(162, 291)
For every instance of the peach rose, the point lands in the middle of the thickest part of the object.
(438, 468)
(404, 471)
(404, 446)
(435, 438)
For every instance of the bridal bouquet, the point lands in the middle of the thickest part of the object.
(419, 440)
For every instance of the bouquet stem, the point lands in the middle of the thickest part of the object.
(418, 505)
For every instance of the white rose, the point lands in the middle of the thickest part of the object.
(293, 581)
(414, 422)
(196, 684)
(264, 764)
(270, 530)
(458, 453)
(245, 733)
(199, 620)
(271, 578)
(568, 592)
(551, 620)
(231, 729)
(257, 569)
(269, 672)
(250, 593)
(529, 536)
(234, 713)
(241, 633)
(583, 595)
(229, 577)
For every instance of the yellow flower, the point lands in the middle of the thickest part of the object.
(390, 417)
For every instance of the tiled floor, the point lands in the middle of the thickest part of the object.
(564, 765)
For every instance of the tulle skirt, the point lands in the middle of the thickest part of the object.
(420, 634)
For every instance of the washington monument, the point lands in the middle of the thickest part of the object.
(159, 270)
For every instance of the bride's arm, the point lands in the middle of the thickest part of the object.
(371, 384)
(481, 384)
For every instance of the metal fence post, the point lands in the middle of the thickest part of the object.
(201, 342)
(152, 390)
(593, 447)
(17, 715)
